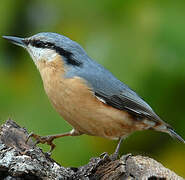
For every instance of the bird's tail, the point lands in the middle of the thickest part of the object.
(174, 134)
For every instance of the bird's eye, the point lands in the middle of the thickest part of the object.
(41, 44)
(37, 43)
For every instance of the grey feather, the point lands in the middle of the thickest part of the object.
(114, 92)
(102, 82)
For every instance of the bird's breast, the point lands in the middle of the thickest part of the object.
(78, 105)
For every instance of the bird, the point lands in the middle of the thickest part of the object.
(87, 95)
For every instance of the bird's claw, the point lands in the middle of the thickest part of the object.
(29, 135)
(43, 140)
(114, 156)
(104, 156)
(48, 154)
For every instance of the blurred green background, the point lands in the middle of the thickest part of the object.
(141, 42)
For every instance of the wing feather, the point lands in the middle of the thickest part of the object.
(123, 102)
(111, 90)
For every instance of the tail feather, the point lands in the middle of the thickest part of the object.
(175, 135)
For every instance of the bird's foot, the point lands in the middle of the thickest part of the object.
(43, 139)
(114, 156)
(104, 156)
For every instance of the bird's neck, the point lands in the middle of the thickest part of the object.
(46, 68)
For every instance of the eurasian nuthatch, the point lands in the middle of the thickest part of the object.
(85, 94)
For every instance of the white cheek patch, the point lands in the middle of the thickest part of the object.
(41, 53)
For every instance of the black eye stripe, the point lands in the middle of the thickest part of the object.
(68, 55)
(41, 44)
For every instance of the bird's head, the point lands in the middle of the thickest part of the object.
(47, 45)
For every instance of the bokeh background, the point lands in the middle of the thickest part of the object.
(141, 42)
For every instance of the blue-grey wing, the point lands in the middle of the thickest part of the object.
(115, 93)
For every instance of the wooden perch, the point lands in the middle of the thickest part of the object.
(26, 161)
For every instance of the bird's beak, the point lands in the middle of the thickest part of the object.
(15, 40)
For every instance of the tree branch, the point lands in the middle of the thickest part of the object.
(19, 160)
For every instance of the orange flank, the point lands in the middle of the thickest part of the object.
(78, 105)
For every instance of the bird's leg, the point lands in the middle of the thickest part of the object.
(114, 156)
(49, 139)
